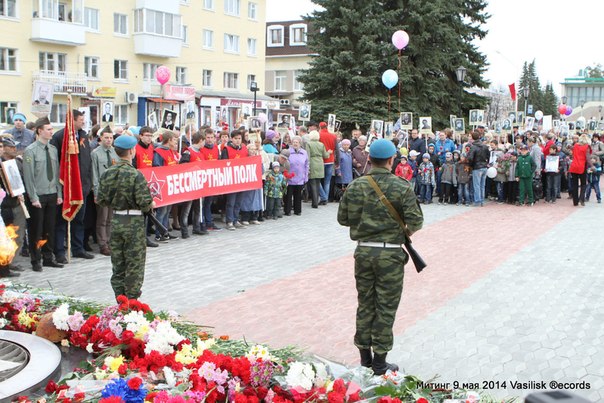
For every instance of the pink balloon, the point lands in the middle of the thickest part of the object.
(569, 110)
(162, 75)
(262, 117)
(562, 109)
(400, 39)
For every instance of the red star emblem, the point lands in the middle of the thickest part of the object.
(155, 186)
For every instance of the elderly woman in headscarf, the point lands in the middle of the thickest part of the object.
(344, 170)
(360, 158)
(299, 168)
(270, 141)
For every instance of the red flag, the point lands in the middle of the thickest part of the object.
(513, 91)
(69, 172)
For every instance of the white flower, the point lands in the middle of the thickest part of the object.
(137, 323)
(65, 343)
(259, 351)
(170, 377)
(162, 339)
(89, 348)
(60, 316)
(300, 374)
(321, 374)
(3, 322)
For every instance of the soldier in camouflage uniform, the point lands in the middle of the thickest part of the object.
(379, 256)
(123, 188)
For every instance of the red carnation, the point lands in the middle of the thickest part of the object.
(355, 397)
(112, 399)
(334, 397)
(135, 383)
(339, 386)
(79, 397)
(422, 400)
(389, 399)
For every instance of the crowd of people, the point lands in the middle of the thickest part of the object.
(310, 164)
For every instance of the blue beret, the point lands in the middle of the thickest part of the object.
(134, 130)
(19, 116)
(125, 142)
(382, 149)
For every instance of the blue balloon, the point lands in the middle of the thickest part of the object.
(390, 78)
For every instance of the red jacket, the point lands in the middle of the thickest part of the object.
(329, 141)
(144, 156)
(404, 171)
(210, 154)
(579, 164)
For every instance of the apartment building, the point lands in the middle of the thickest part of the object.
(286, 56)
(106, 53)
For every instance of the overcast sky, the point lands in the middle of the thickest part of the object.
(562, 36)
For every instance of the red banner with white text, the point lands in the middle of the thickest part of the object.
(179, 183)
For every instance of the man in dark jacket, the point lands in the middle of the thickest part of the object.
(478, 158)
(77, 224)
(417, 143)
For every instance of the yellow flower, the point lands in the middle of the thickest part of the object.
(26, 319)
(114, 363)
(142, 332)
(189, 354)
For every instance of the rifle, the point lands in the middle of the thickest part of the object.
(419, 263)
(158, 226)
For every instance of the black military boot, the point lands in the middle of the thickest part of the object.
(380, 366)
(366, 357)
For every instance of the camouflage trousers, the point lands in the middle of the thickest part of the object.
(379, 276)
(128, 252)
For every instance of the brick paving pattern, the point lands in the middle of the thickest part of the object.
(510, 294)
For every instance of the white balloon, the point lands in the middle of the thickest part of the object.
(262, 117)
(492, 172)
(538, 115)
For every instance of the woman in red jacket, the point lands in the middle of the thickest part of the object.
(578, 169)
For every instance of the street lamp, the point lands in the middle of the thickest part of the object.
(564, 99)
(526, 92)
(254, 88)
(461, 76)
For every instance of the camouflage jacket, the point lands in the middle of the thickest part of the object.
(123, 187)
(275, 185)
(369, 219)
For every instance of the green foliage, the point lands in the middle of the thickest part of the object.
(352, 39)
(541, 99)
(595, 71)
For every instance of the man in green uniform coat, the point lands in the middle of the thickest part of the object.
(379, 256)
(123, 188)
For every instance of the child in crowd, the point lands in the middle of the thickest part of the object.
(593, 178)
(552, 174)
(274, 188)
(511, 190)
(427, 179)
(456, 157)
(448, 179)
(404, 170)
(251, 203)
(525, 169)
(463, 180)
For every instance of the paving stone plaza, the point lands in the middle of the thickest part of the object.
(511, 294)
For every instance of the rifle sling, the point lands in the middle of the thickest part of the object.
(389, 206)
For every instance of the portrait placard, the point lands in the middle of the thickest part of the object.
(331, 123)
(41, 99)
(169, 119)
(12, 178)
(377, 128)
(425, 124)
(406, 120)
(304, 112)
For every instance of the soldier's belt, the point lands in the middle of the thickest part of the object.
(127, 212)
(379, 244)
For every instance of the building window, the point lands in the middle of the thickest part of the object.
(231, 7)
(149, 71)
(274, 36)
(208, 39)
(8, 8)
(91, 66)
(157, 22)
(5, 118)
(57, 113)
(298, 86)
(120, 115)
(252, 11)
(251, 47)
(120, 69)
(52, 61)
(297, 35)
(181, 75)
(250, 78)
(8, 60)
(231, 43)
(120, 24)
(206, 79)
(231, 80)
(208, 4)
(185, 35)
(280, 80)
(91, 18)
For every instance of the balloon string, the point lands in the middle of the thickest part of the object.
(389, 105)
(400, 53)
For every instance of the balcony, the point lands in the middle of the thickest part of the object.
(64, 82)
(56, 31)
(156, 45)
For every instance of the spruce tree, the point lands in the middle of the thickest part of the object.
(352, 40)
